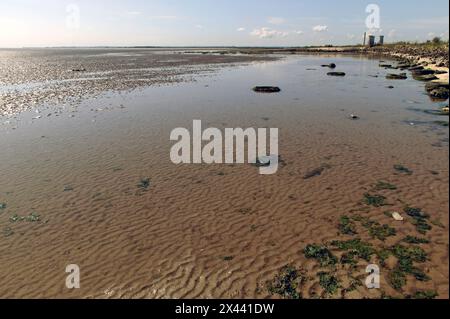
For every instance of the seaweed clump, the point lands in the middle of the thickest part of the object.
(347, 226)
(407, 256)
(287, 282)
(374, 200)
(328, 282)
(420, 219)
(320, 253)
(356, 248)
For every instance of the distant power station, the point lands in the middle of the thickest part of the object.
(372, 40)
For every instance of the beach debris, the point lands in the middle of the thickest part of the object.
(68, 188)
(402, 169)
(374, 200)
(393, 76)
(354, 117)
(331, 66)
(316, 172)
(390, 87)
(336, 74)
(329, 282)
(321, 253)
(228, 258)
(144, 183)
(32, 218)
(79, 70)
(397, 217)
(287, 282)
(2, 206)
(266, 89)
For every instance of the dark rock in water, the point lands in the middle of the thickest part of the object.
(435, 85)
(423, 72)
(385, 65)
(401, 76)
(440, 72)
(440, 93)
(425, 78)
(266, 89)
(390, 87)
(336, 73)
(78, 70)
(354, 117)
(403, 66)
(331, 66)
(416, 68)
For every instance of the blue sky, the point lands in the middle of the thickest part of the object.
(214, 22)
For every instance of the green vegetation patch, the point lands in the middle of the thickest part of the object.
(144, 183)
(416, 240)
(382, 232)
(428, 294)
(320, 253)
(287, 282)
(381, 185)
(407, 256)
(328, 282)
(347, 226)
(402, 169)
(374, 200)
(356, 247)
(420, 219)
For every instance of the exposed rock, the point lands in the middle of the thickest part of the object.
(416, 68)
(440, 93)
(331, 66)
(423, 72)
(336, 73)
(425, 78)
(266, 89)
(392, 76)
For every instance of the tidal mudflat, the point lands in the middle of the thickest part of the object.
(364, 178)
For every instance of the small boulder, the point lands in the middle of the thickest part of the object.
(266, 89)
(392, 76)
(336, 74)
(331, 66)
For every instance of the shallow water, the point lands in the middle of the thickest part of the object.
(78, 166)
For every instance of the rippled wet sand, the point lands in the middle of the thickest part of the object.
(219, 231)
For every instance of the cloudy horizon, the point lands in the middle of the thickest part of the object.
(31, 23)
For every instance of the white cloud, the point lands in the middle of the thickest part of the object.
(163, 17)
(320, 28)
(199, 26)
(351, 36)
(268, 33)
(276, 20)
(392, 33)
(299, 32)
(133, 13)
(241, 29)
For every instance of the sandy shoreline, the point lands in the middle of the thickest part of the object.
(73, 193)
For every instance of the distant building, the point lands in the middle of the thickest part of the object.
(371, 40)
(381, 42)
